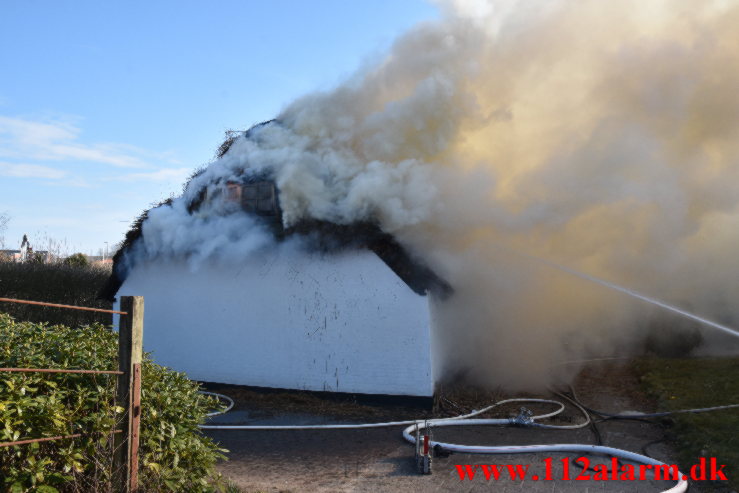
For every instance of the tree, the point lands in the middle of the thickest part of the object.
(77, 260)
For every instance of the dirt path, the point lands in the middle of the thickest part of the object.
(379, 460)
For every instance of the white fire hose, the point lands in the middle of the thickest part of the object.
(463, 420)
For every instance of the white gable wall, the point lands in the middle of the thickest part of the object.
(287, 319)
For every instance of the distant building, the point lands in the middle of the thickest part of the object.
(26, 253)
(12, 255)
(99, 260)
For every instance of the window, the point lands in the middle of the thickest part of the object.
(259, 198)
(233, 192)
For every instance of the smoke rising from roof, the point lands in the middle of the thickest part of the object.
(601, 135)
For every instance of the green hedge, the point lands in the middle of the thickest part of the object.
(53, 283)
(175, 456)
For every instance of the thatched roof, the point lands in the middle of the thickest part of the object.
(120, 271)
(320, 235)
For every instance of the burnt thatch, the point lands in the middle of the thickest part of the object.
(119, 272)
(232, 135)
(318, 235)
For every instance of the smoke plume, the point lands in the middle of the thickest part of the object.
(600, 135)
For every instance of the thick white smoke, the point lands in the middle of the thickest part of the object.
(172, 232)
(600, 135)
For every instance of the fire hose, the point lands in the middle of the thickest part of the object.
(523, 419)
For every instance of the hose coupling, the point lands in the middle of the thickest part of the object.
(523, 418)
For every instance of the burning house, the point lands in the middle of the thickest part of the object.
(316, 305)
(528, 164)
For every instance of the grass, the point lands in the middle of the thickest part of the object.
(696, 383)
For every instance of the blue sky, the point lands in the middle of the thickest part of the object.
(106, 107)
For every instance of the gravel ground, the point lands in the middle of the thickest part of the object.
(379, 460)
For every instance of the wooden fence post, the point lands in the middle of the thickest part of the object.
(128, 394)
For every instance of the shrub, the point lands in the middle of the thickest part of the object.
(53, 283)
(175, 456)
(77, 260)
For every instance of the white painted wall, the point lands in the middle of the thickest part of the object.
(287, 319)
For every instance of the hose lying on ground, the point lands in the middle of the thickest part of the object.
(219, 396)
(522, 419)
